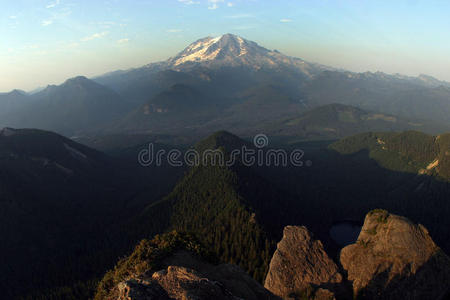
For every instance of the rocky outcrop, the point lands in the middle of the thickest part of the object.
(300, 267)
(395, 259)
(187, 277)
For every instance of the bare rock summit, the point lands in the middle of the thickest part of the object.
(394, 258)
(300, 267)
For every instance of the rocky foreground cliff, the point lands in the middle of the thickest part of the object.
(393, 258)
(176, 266)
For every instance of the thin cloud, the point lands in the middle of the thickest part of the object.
(230, 4)
(174, 30)
(123, 41)
(58, 15)
(189, 2)
(214, 4)
(13, 17)
(53, 4)
(94, 36)
(286, 20)
(47, 22)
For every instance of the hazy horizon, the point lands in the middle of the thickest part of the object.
(47, 42)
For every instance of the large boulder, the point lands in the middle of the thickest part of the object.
(300, 267)
(187, 277)
(395, 259)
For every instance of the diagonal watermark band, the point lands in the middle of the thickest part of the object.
(248, 156)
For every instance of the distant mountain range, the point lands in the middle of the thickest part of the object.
(230, 83)
(403, 96)
(77, 105)
(11, 102)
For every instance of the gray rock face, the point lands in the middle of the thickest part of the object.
(188, 278)
(301, 267)
(395, 259)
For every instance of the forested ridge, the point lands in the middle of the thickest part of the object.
(237, 213)
(408, 151)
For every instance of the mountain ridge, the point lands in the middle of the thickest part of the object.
(230, 42)
(336, 120)
(78, 104)
(248, 88)
(230, 50)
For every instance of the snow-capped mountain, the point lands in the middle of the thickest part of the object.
(230, 69)
(232, 51)
(227, 48)
(226, 64)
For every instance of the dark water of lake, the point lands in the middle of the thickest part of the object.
(345, 232)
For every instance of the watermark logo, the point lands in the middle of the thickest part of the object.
(258, 155)
(261, 141)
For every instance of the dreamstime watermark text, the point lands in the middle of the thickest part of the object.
(258, 155)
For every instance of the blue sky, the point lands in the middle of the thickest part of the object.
(46, 42)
